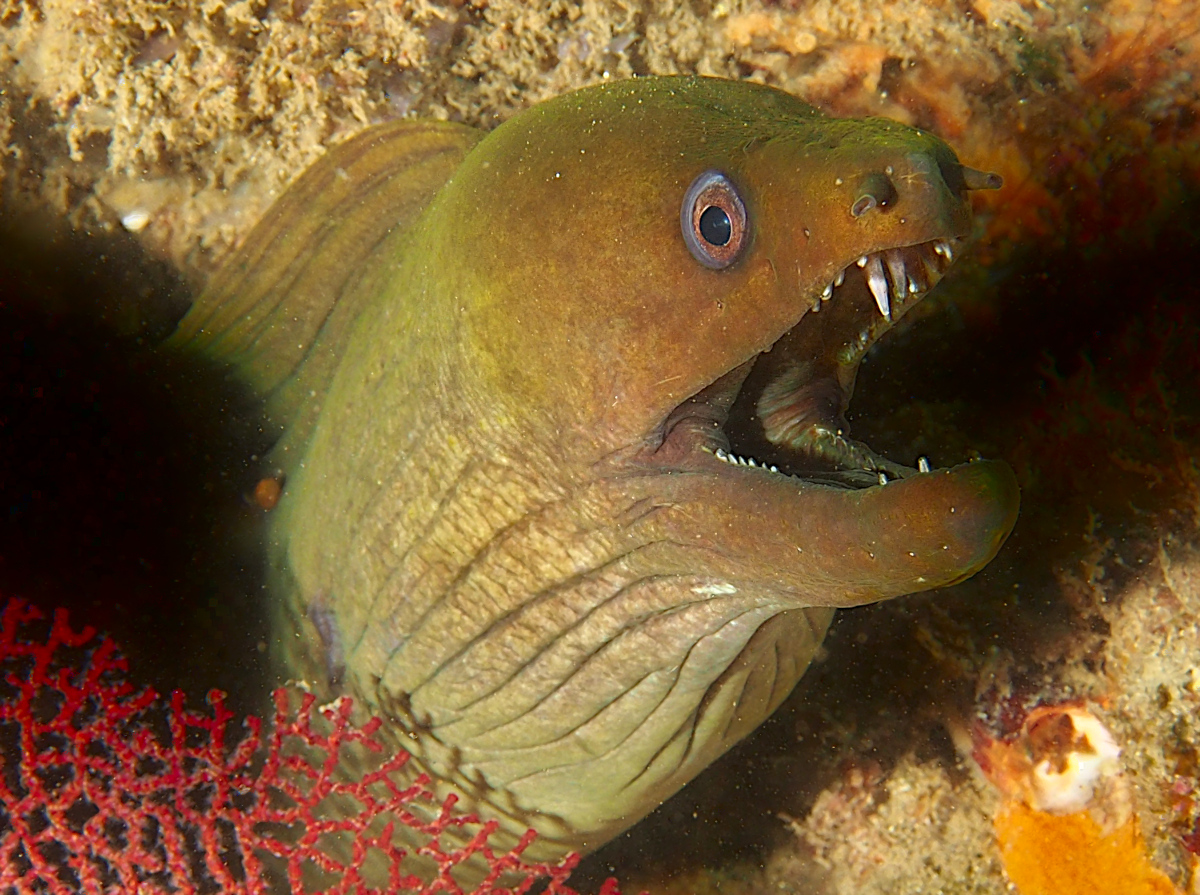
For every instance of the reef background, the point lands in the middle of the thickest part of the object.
(142, 140)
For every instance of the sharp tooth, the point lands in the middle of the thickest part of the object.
(828, 292)
(922, 464)
(912, 286)
(943, 249)
(895, 269)
(928, 256)
(883, 479)
(862, 262)
(839, 279)
(774, 469)
(751, 462)
(877, 283)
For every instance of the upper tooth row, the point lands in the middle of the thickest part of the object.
(877, 282)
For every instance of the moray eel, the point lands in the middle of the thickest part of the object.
(515, 524)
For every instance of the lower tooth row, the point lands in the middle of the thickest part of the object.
(727, 457)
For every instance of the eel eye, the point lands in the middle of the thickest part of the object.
(713, 219)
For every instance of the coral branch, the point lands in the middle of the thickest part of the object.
(108, 788)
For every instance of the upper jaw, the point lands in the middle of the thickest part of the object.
(897, 278)
(787, 404)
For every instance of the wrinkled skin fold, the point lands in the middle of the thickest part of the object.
(513, 523)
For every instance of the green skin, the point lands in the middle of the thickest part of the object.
(504, 528)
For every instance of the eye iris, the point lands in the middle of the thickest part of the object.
(713, 220)
(715, 226)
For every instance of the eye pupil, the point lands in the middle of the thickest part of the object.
(715, 226)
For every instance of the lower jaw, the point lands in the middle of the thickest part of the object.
(816, 545)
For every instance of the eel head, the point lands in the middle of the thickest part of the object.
(533, 530)
(730, 253)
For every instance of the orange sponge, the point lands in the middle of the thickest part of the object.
(1072, 854)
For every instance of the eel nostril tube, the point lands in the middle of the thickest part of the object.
(981, 180)
(877, 191)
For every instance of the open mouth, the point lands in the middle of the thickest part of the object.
(783, 411)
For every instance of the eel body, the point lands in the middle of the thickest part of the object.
(519, 522)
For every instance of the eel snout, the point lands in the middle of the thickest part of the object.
(822, 545)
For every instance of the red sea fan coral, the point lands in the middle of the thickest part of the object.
(107, 788)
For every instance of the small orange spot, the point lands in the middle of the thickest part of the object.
(267, 491)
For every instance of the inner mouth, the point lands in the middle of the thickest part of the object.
(784, 410)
